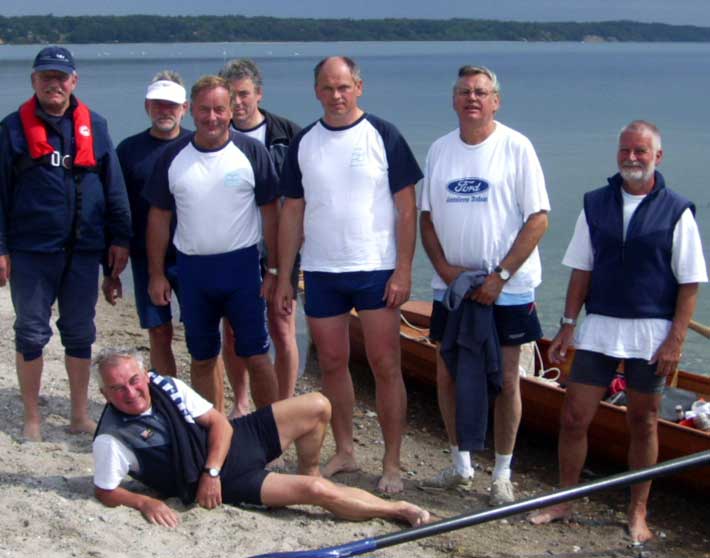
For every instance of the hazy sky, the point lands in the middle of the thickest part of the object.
(694, 12)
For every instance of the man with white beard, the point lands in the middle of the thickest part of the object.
(636, 262)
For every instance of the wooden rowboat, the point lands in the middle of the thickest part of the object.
(542, 400)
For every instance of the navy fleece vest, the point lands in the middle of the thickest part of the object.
(633, 278)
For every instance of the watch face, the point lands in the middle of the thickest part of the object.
(214, 472)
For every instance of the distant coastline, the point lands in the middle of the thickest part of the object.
(163, 29)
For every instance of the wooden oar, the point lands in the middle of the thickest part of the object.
(702, 329)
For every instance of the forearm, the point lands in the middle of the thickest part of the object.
(406, 228)
(434, 251)
(219, 437)
(685, 307)
(290, 234)
(526, 241)
(157, 239)
(269, 219)
(122, 497)
(577, 290)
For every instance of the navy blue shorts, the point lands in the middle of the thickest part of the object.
(255, 443)
(597, 369)
(36, 282)
(516, 325)
(222, 285)
(150, 315)
(333, 294)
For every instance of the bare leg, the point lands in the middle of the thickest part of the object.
(264, 388)
(237, 373)
(283, 334)
(446, 397)
(79, 371)
(381, 331)
(642, 419)
(29, 377)
(578, 410)
(330, 336)
(508, 406)
(161, 350)
(349, 503)
(303, 420)
(207, 378)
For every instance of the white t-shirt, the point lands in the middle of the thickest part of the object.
(480, 196)
(258, 132)
(215, 193)
(113, 460)
(347, 178)
(626, 337)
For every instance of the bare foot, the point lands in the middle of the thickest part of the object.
(390, 483)
(31, 432)
(82, 426)
(339, 463)
(414, 514)
(638, 528)
(560, 512)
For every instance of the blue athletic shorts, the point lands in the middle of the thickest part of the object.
(255, 443)
(36, 282)
(150, 315)
(597, 369)
(332, 294)
(515, 325)
(222, 285)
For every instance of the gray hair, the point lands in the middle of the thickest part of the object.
(641, 126)
(349, 62)
(242, 68)
(168, 75)
(468, 70)
(110, 357)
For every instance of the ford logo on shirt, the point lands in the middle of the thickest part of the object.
(467, 186)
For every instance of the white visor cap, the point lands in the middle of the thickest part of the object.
(166, 90)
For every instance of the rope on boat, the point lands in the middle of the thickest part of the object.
(421, 338)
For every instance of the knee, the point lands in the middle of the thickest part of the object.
(332, 360)
(573, 422)
(320, 407)
(642, 422)
(321, 490)
(510, 386)
(161, 335)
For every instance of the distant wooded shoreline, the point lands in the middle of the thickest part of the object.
(236, 28)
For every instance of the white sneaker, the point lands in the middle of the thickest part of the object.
(446, 479)
(501, 493)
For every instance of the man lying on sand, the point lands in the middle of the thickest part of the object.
(161, 432)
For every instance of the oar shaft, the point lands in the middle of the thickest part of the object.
(702, 329)
(467, 520)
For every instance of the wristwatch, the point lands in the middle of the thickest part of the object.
(273, 271)
(211, 471)
(564, 320)
(504, 273)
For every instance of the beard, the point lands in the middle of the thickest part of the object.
(637, 173)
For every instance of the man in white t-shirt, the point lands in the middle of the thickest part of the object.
(223, 188)
(636, 260)
(349, 183)
(484, 208)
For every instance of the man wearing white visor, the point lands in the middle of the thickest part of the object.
(165, 104)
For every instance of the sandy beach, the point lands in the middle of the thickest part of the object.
(49, 509)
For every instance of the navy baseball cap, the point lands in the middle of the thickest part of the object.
(54, 58)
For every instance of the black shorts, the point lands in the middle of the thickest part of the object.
(597, 369)
(254, 444)
(516, 325)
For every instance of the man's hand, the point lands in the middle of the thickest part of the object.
(209, 492)
(117, 260)
(398, 288)
(667, 356)
(159, 290)
(4, 269)
(557, 351)
(112, 289)
(158, 512)
(489, 291)
(449, 273)
(282, 298)
(268, 286)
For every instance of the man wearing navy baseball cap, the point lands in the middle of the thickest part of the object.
(63, 206)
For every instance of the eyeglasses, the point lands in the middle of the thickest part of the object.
(477, 93)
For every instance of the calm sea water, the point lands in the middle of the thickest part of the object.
(570, 99)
